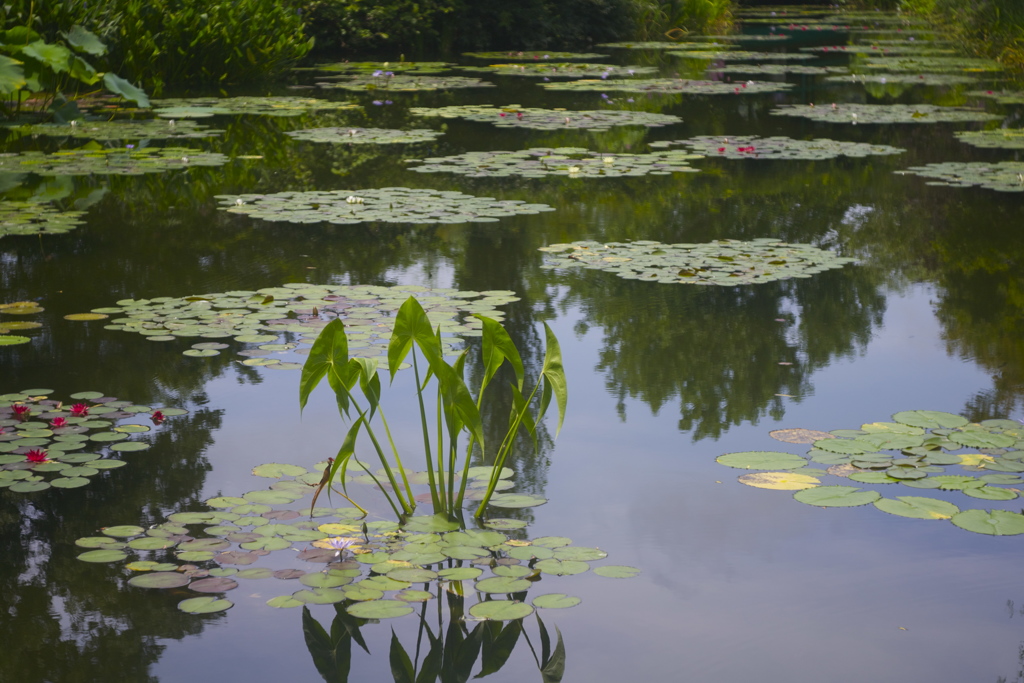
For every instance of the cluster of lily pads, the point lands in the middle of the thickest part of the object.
(1003, 176)
(373, 68)
(574, 162)
(882, 113)
(108, 161)
(122, 130)
(906, 79)
(17, 309)
(386, 205)
(302, 310)
(202, 107)
(914, 450)
(357, 136)
(932, 64)
(777, 147)
(514, 116)
(36, 218)
(402, 83)
(722, 262)
(564, 70)
(659, 45)
(670, 85)
(534, 55)
(1000, 96)
(379, 568)
(727, 55)
(999, 138)
(777, 69)
(42, 439)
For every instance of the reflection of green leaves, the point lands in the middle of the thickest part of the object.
(514, 116)
(387, 205)
(722, 262)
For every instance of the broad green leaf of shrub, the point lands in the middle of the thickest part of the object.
(120, 86)
(84, 40)
(11, 75)
(57, 57)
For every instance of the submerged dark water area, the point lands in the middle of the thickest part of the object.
(736, 582)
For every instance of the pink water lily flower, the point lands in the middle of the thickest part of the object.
(79, 410)
(36, 455)
(58, 422)
(157, 417)
(22, 412)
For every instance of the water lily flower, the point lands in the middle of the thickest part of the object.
(58, 422)
(22, 412)
(388, 102)
(130, 146)
(79, 410)
(171, 123)
(239, 202)
(389, 74)
(378, 72)
(341, 543)
(36, 455)
(184, 160)
(377, 102)
(519, 114)
(574, 169)
(157, 417)
(604, 76)
(502, 114)
(629, 99)
(604, 96)
(354, 200)
(631, 72)
(547, 79)
(608, 160)
(721, 149)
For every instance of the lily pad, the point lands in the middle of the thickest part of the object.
(103, 555)
(379, 609)
(531, 55)
(216, 584)
(917, 507)
(358, 136)
(549, 69)
(799, 435)
(762, 460)
(991, 522)
(670, 85)
(852, 113)
(390, 205)
(201, 107)
(930, 63)
(722, 262)
(35, 218)
(402, 67)
(555, 601)
(278, 470)
(836, 496)
(930, 419)
(1004, 176)
(13, 340)
(779, 481)
(572, 162)
(613, 571)
(122, 130)
(107, 161)
(748, 55)
(1000, 96)
(779, 147)
(501, 610)
(205, 605)
(159, 580)
(401, 83)
(534, 118)
(516, 500)
(904, 79)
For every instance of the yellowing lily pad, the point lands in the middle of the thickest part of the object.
(780, 481)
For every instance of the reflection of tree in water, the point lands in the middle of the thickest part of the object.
(65, 620)
(726, 353)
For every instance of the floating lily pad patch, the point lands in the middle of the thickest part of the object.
(383, 205)
(514, 116)
(372, 567)
(383, 68)
(916, 449)
(203, 107)
(670, 85)
(777, 69)
(401, 83)
(300, 311)
(904, 79)
(778, 147)
(736, 55)
(1000, 96)
(123, 130)
(45, 442)
(35, 218)
(924, 63)
(358, 136)
(566, 70)
(1003, 176)
(108, 161)
(658, 45)
(999, 138)
(722, 262)
(883, 113)
(573, 162)
(538, 55)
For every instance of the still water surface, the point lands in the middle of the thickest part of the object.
(738, 583)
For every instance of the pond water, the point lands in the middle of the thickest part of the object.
(736, 582)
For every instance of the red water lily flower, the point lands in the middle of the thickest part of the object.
(36, 455)
(58, 422)
(22, 412)
(79, 410)
(157, 417)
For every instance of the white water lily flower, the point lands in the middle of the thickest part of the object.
(354, 200)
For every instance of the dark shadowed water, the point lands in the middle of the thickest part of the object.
(737, 583)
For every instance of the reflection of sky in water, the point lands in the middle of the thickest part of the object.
(738, 584)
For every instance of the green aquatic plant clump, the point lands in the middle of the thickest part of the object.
(458, 412)
(42, 439)
(383, 205)
(999, 138)
(852, 113)
(258, 318)
(722, 262)
(571, 162)
(402, 83)
(107, 131)
(777, 147)
(515, 116)
(1003, 176)
(109, 161)
(36, 218)
(916, 450)
(365, 136)
(565, 70)
(203, 107)
(671, 85)
(336, 556)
